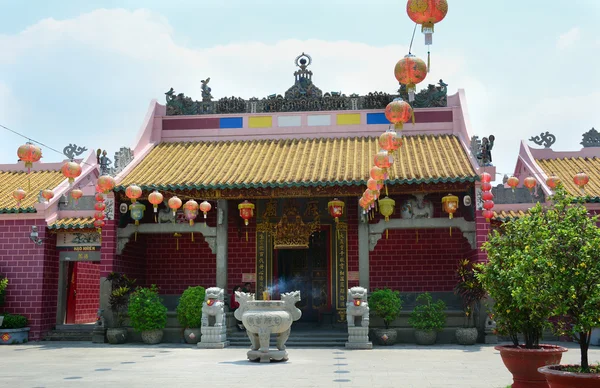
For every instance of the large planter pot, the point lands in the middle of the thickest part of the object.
(191, 336)
(466, 335)
(385, 336)
(14, 336)
(152, 337)
(116, 335)
(524, 363)
(423, 337)
(557, 378)
(1, 319)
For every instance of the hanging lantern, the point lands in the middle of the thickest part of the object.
(450, 204)
(99, 224)
(553, 181)
(19, 194)
(386, 208)
(99, 215)
(513, 182)
(364, 204)
(106, 183)
(155, 198)
(99, 197)
(487, 196)
(372, 184)
(390, 140)
(581, 180)
(174, 204)
(399, 112)
(485, 177)
(368, 195)
(530, 182)
(133, 192)
(377, 173)
(486, 186)
(29, 153)
(488, 205)
(136, 210)
(99, 206)
(336, 209)
(76, 194)
(71, 170)
(47, 194)
(383, 159)
(190, 211)
(246, 212)
(409, 71)
(205, 208)
(488, 215)
(427, 13)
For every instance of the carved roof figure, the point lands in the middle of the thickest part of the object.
(303, 86)
(591, 138)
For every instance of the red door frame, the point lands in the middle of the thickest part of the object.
(71, 293)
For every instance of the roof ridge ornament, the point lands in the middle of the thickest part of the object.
(546, 139)
(591, 138)
(73, 150)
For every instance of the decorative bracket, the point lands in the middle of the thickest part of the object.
(209, 233)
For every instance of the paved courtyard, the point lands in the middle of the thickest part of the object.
(74, 364)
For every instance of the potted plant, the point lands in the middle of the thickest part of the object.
(386, 304)
(121, 288)
(189, 313)
(522, 301)
(569, 265)
(147, 314)
(3, 285)
(14, 330)
(471, 292)
(427, 319)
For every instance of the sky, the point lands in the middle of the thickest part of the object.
(85, 72)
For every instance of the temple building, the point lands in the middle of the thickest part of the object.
(270, 169)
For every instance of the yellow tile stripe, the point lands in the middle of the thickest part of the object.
(260, 163)
(567, 168)
(10, 181)
(260, 122)
(73, 223)
(504, 215)
(348, 119)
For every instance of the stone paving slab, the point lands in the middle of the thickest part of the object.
(76, 364)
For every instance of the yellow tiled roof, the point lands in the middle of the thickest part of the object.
(296, 162)
(32, 183)
(508, 215)
(73, 223)
(567, 168)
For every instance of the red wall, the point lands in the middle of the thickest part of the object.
(429, 264)
(132, 261)
(241, 253)
(87, 300)
(32, 272)
(352, 219)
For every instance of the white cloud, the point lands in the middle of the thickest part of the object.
(568, 38)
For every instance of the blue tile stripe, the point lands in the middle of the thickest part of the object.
(377, 118)
(231, 122)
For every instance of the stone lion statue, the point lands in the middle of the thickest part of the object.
(213, 306)
(357, 306)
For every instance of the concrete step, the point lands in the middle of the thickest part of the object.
(59, 335)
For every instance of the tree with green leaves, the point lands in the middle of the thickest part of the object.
(386, 304)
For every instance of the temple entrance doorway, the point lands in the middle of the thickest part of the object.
(308, 271)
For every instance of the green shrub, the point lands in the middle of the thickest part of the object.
(3, 285)
(428, 316)
(386, 304)
(189, 309)
(146, 311)
(14, 321)
(122, 287)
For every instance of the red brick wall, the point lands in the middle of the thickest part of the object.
(241, 253)
(108, 251)
(87, 300)
(32, 272)
(482, 232)
(132, 261)
(174, 270)
(405, 264)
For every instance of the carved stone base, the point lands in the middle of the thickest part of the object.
(271, 355)
(359, 345)
(358, 334)
(213, 345)
(491, 339)
(213, 334)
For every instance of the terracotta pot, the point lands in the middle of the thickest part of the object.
(524, 363)
(559, 379)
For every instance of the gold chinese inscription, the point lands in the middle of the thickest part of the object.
(341, 269)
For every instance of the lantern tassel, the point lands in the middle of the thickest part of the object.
(192, 236)
(386, 191)
(450, 231)
(155, 220)
(428, 61)
(386, 234)
(246, 235)
(135, 236)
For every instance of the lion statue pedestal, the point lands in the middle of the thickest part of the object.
(261, 318)
(357, 314)
(214, 329)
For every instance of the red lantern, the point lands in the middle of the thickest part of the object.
(398, 112)
(47, 194)
(99, 206)
(106, 183)
(450, 205)
(174, 204)
(488, 215)
(378, 173)
(99, 197)
(369, 195)
(553, 181)
(383, 160)
(336, 209)
(485, 177)
(205, 207)
(246, 212)
(190, 210)
(372, 184)
(488, 205)
(409, 71)
(76, 194)
(390, 140)
(486, 186)
(487, 196)
(71, 170)
(364, 204)
(530, 182)
(19, 194)
(133, 192)
(513, 182)
(29, 153)
(581, 180)
(155, 198)
(427, 13)
(99, 215)
(99, 224)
